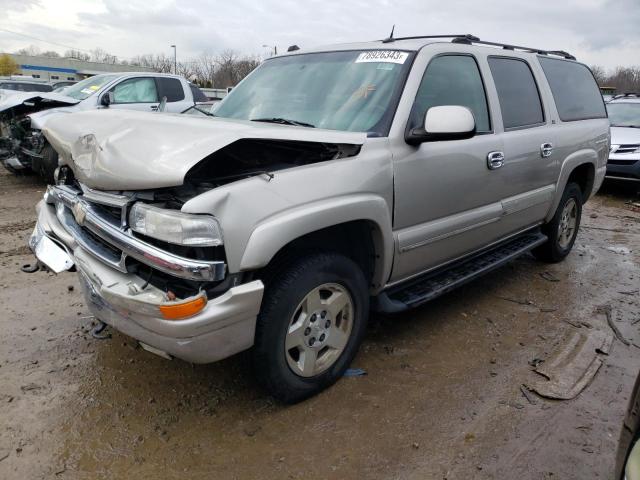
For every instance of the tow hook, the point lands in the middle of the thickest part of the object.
(30, 267)
(97, 332)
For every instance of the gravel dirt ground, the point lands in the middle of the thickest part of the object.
(441, 399)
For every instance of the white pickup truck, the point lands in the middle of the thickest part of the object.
(23, 115)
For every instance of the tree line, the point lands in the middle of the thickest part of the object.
(220, 70)
(623, 79)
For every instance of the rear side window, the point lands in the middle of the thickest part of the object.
(170, 88)
(574, 90)
(520, 102)
(198, 95)
(452, 80)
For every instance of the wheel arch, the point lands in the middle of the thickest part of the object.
(580, 168)
(357, 226)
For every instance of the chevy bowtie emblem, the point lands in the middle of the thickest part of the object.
(79, 213)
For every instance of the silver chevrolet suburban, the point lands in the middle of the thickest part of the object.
(330, 182)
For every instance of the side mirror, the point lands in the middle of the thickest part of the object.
(446, 122)
(107, 99)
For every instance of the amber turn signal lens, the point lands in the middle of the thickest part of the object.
(187, 309)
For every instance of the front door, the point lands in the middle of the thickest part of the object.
(447, 199)
(139, 93)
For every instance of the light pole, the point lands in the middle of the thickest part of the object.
(175, 60)
(275, 49)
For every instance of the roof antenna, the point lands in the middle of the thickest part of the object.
(390, 38)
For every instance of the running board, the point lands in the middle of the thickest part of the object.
(419, 290)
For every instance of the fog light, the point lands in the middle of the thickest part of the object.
(179, 311)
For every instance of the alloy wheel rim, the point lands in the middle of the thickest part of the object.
(568, 222)
(319, 330)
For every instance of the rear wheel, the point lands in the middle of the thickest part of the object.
(311, 324)
(563, 227)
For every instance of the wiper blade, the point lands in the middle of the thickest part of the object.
(626, 126)
(283, 121)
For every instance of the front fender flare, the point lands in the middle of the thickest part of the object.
(275, 232)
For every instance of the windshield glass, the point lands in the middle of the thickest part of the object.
(624, 114)
(352, 91)
(88, 86)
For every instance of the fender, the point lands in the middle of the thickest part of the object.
(584, 156)
(275, 232)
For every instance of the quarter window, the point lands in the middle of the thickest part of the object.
(170, 88)
(574, 90)
(136, 90)
(452, 80)
(520, 102)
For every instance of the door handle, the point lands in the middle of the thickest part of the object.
(546, 149)
(495, 160)
(154, 107)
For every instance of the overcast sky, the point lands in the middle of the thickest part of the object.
(602, 32)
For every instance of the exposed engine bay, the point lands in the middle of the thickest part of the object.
(21, 145)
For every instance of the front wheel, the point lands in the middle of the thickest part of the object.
(47, 164)
(311, 324)
(562, 230)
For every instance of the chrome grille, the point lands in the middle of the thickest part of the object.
(628, 148)
(90, 219)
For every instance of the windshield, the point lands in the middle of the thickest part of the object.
(624, 114)
(88, 86)
(352, 91)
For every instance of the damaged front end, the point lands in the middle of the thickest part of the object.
(150, 266)
(175, 298)
(22, 144)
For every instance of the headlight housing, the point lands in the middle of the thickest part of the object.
(175, 227)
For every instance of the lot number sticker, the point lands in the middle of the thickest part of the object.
(386, 56)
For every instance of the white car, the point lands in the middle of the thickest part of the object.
(22, 116)
(624, 157)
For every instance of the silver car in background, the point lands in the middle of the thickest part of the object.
(624, 157)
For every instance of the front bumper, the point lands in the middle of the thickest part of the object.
(621, 167)
(225, 326)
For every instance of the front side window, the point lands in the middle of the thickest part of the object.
(452, 80)
(355, 91)
(135, 90)
(520, 102)
(574, 90)
(624, 114)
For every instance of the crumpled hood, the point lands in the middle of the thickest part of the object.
(20, 98)
(129, 150)
(625, 135)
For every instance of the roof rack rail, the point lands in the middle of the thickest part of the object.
(469, 39)
(463, 35)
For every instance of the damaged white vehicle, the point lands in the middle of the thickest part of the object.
(378, 174)
(23, 115)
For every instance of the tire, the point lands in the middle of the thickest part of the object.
(560, 240)
(292, 317)
(46, 166)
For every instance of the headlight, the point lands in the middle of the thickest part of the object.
(174, 226)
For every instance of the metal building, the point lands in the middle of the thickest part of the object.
(54, 68)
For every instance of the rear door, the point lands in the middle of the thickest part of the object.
(137, 93)
(530, 168)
